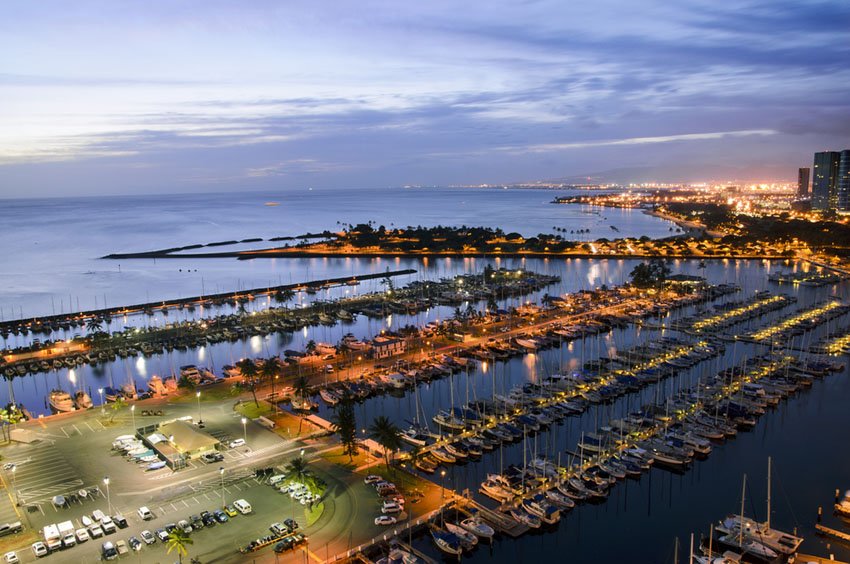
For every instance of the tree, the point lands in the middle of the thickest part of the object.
(386, 434)
(651, 274)
(94, 325)
(249, 376)
(345, 424)
(492, 306)
(297, 469)
(179, 541)
(311, 346)
(116, 406)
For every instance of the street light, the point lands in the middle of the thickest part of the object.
(221, 473)
(100, 391)
(14, 490)
(198, 395)
(133, 414)
(108, 500)
(244, 429)
(442, 484)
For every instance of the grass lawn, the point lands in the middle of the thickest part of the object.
(250, 410)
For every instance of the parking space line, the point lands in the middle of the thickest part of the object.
(184, 503)
(174, 507)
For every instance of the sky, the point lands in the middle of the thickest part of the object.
(163, 96)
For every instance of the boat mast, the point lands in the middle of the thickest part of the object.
(691, 551)
(741, 524)
(767, 523)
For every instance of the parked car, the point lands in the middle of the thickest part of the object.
(95, 531)
(291, 524)
(390, 507)
(148, 537)
(221, 516)
(385, 520)
(196, 521)
(162, 535)
(108, 551)
(208, 518)
(278, 529)
(121, 547)
(372, 479)
(145, 514)
(82, 535)
(108, 525)
(237, 443)
(9, 528)
(135, 544)
(120, 520)
(39, 549)
(170, 527)
(210, 457)
(230, 510)
(11, 558)
(184, 526)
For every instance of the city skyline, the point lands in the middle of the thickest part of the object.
(207, 97)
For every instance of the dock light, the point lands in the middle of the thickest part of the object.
(442, 483)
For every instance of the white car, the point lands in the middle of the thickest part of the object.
(274, 480)
(390, 507)
(39, 549)
(11, 558)
(82, 535)
(385, 520)
(372, 479)
(148, 537)
(145, 514)
(95, 531)
(237, 443)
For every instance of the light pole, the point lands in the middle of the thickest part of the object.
(221, 473)
(100, 391)
(442, 484)
(14, 490)
(108, 500)
(133, 414)
(198, 395)
(245, 429)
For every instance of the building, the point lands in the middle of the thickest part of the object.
(803, 182)
(178, 441)
(383, 347)
(844, 182)
(824, 181)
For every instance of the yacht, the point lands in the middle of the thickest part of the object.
(61, 401)
(492, 488)
(156, 386)
(329, 397)
(82, 400)
(525, 518)
(443, 456)
(466, 537)
(478, 527)
(415, 436)
(538, 506)
(843, 506)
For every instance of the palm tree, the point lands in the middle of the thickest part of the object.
(345, 424)
(178, 540)
(386, 434)
(311, 346)
(116, 406)
(249, 375)
(297, 469)
(94, 325)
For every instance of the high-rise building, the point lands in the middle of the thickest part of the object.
(824, 181)
(844, 182)
(803, 182)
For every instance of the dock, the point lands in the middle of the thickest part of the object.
(809, 559)
(832, 533)
(496, 519)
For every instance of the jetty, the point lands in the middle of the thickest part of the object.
(832, 533)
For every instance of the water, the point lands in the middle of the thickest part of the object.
(52, 245)
(52, 262)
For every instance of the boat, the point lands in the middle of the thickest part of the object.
(414, 436)
(446, 542)
(82, 400)
(399, 556)
(303, 404)
(61, 401)
(525, 518)
(426, 464)
(329, 397)
(478, 527)
(843, 506)
(467, 539)
(112, 394)
(443, 456)
(538, 507)
(492, 488)
(156, 386)
(449, 421)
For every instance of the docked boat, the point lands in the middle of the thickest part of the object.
(449, 421)
(415, 436)
(156, 386)
(303, 404)
(329, 397)
(447, 542)
(538, 506)
(112, 394)
(443, 456)
(61, 401)
(467, 539)
(82, 400)
(492, 488)
(399, 556)
(478, 527)
(525, 518)
(843, 506)
(426, 464)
